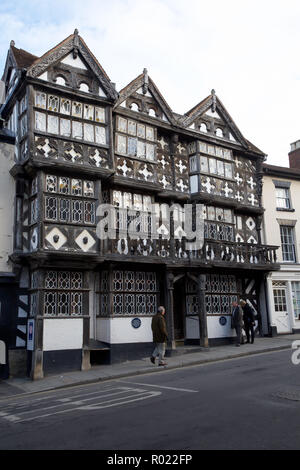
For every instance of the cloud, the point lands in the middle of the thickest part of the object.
(246, 51)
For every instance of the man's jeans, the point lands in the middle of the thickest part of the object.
(160, 349)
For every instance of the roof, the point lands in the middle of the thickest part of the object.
(286, 172)
(23, 58)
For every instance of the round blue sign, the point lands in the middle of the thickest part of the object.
(222, 321)
(136, 323)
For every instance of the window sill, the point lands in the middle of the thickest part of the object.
(283, 209)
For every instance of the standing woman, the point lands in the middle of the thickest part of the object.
(249, 320)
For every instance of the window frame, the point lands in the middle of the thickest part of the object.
(286, 253)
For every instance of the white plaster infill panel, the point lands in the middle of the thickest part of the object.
(62, 334)
(122, 330)
(103, 329)
(192, 327)
(77, 62)
(216, 330)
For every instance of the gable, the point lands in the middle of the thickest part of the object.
(72, 64)
(210, 117)
(142, 96)
(72, 72)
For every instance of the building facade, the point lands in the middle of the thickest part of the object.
(80, 144)
(281, 227)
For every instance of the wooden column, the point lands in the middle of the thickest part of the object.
(201, 284)
(37, 369)
(170, 311)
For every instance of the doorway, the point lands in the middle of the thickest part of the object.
(281, 316)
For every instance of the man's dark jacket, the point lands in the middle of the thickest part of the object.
(159, 328)
(248, 315)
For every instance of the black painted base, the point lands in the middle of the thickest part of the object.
(296, 331)
(211, 341)
(129, 351)
(272, 331)
(61, 361)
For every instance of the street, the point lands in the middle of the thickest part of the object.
(245, 403)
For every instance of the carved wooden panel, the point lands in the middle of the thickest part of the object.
(164, 163)
(70, 239)
(72, 152)
(181, 168)
(245, 181)
(130, 168)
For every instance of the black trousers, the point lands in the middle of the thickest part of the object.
(249, 329)
(4, 368)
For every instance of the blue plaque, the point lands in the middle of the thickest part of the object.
(222, 321)
(136, 323)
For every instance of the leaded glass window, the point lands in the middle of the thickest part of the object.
(100, 135)
(40, 121)
(63, 295)
(40, 100)
(100, 115)
(77, 130)
(76, 187)
(142, 146)
(134, 293)
(89, 132)
(131, 127)
(51, 208)
(76, 211)
(65, 127)
(121, 144)
(52, 124)
(65, 106)
(64, 210)
(141, 131)
(221, 292)
(88, 112)
(53, 103)
(76, 109)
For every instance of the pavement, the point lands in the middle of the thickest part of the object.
(184, 357)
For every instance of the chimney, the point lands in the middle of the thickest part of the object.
(294, 155)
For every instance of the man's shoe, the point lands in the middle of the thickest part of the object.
(162, 364)
(152, 359)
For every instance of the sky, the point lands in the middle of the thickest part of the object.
(248, 51)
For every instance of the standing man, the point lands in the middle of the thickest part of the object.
(159, 330)
(249, 321)
(237, 322)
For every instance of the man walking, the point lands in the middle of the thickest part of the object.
(237, 322)
(249, 320)
(159, 330)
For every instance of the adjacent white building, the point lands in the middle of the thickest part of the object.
(281, 199)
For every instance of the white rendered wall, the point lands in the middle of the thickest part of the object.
(103, 329)
(214, 329)
(119, 330)
(69, 60)
(7, 195)
(62, 334)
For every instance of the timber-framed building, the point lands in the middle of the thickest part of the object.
(80, 143)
